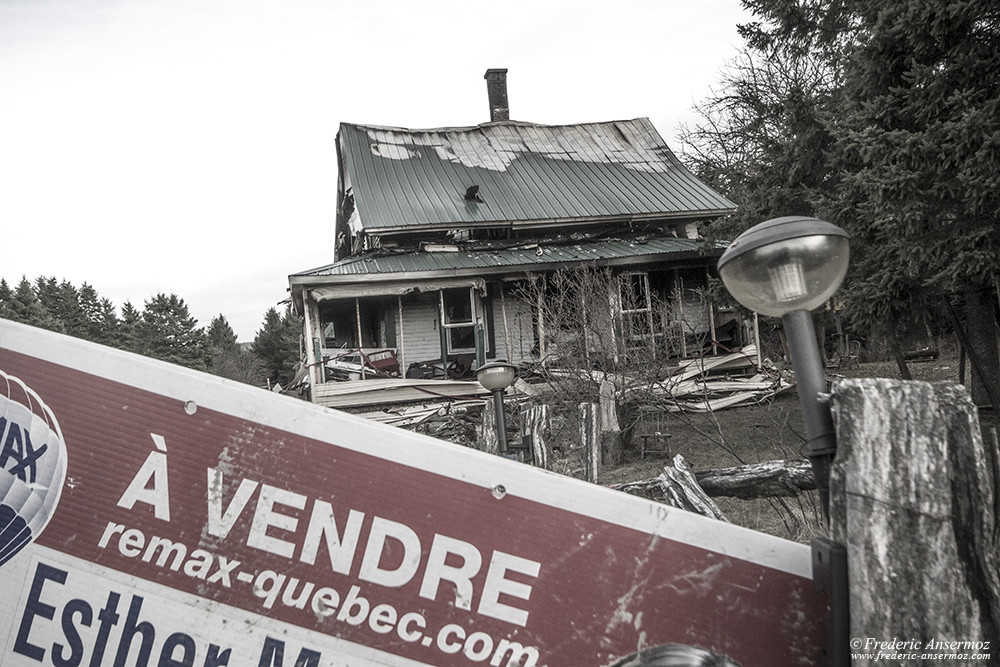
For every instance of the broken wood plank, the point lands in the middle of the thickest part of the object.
(385, 391)
(681, 490)
(702, 365)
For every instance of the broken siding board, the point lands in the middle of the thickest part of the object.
(382, 392)
(701, 365)
(718, 403)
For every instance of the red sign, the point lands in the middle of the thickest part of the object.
(204, 522)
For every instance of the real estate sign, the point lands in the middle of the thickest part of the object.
(152, 515)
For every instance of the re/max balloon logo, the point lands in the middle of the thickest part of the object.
(32, 465)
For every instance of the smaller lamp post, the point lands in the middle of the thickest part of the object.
(495, 377)
(785, 268)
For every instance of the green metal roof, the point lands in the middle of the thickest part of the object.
(403, 179)
(380, 265)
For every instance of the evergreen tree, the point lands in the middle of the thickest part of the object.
(6, 300)
(167, 331)
(898, 142)
(60, 300)
(220, 334)
(228, 358)
(25, 307)
(277, 346)
(919, 150)
(101, 320)
(127, 326)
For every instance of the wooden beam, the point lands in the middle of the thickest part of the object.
(310, 325)
(399, 337)
(357, 319)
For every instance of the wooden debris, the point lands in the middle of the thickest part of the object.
(389, 391)
(757, 480)
(680, 489)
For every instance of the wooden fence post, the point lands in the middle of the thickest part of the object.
(487, 434)
(590, 439)
(912, 498)
(612, 445)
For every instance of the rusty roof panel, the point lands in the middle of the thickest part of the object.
(403, 178)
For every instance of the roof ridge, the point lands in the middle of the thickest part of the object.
(469, 128)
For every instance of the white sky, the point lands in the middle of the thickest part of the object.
(187, 146)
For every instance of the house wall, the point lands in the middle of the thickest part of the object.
(421, 336)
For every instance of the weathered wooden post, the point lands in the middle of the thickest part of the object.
(535, 427)
(913, 499)
(612, 447)
(486, 435)
(590, 439)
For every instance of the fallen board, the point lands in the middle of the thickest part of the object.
(204, 522)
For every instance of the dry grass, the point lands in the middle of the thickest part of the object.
(772, 430)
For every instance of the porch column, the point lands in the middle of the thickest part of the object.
(479, 327)
(399, 338)
(357, 320)
(311, 335)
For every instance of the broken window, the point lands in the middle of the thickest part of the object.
(635, 308)
(342, 321)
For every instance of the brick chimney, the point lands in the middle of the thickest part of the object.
(496, 88)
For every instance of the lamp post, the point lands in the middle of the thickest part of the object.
(785, 268)
(496, 377)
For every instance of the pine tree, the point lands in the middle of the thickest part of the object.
(101, 320)
(277, 346)
(60, 300)
(6, 300)
(220, 334)
(127, 326)
(905, 142)
(25, 307)
(167, 331)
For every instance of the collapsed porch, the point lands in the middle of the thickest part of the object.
(441, 314)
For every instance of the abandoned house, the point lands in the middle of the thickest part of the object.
(454, 246)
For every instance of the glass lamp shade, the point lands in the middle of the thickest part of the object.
(786, 264)
(496, 375)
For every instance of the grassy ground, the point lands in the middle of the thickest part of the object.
(772, 430)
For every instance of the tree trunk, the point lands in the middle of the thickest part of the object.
(756, 480)
(981, 334)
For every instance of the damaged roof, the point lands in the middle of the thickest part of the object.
(518, 174)
(381, 265)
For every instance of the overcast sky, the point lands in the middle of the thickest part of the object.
(187, 146)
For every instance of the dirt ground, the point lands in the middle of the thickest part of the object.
(768, 431)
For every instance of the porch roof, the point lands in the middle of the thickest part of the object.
(525, 175)
(381, 266)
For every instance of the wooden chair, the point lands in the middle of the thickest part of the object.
(656, 440)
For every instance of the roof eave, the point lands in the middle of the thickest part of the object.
(500, 270)
(675, 216)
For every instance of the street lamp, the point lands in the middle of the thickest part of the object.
(785, 268)
(496, 377)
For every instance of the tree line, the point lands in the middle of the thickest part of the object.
(883, 117)
(164, 329)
